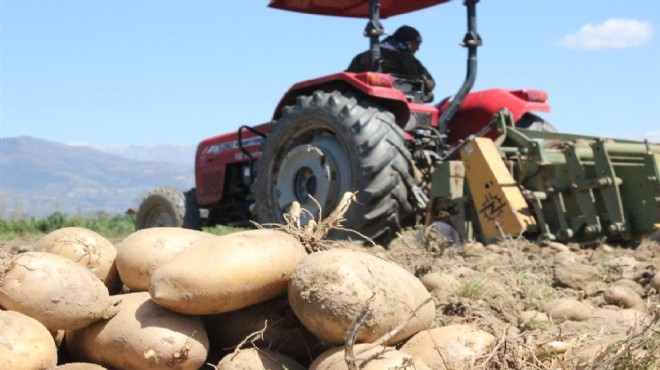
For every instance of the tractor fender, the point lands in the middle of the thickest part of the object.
(478, 108)
(383, 94)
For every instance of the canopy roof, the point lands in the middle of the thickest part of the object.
(352, 8)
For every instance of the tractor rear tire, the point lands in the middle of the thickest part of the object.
(168, 207)
(328, 144)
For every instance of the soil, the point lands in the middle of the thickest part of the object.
(550, 305)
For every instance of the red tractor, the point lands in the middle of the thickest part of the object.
(368, 133)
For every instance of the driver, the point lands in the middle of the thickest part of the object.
(397, 57)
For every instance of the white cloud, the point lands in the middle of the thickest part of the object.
(611, 34)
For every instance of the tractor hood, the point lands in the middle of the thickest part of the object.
(352, 8)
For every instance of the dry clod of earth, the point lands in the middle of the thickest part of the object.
(575, 275)
(655, 283)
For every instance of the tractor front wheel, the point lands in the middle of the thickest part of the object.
(328, 144)
(168, 207)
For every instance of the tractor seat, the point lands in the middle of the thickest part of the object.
(413, 89)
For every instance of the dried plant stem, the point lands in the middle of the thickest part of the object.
(351, 335)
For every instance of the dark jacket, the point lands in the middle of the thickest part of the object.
(401, 63)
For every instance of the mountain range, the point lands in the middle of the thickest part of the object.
(40, 177)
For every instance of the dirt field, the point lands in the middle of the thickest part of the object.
(550, 306)
(535, 297)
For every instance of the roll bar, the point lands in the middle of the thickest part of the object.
(471, 41)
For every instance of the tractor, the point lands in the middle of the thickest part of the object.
(372, 133)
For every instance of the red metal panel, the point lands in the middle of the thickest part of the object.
(354, 79)
(478, 108)
(213, 156)
(352, 8)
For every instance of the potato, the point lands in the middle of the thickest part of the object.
(452, 347)
(445, 284)
(25, 343)
(389, 358)
(254, 358)
(329, 289)
(231, 272)
(54, 290)
(142, 252)
(280, 330)
(623, 297)
(142, 335)
(567, 309)
(80, 366)
(86, 248)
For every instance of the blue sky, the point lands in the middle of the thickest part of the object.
(120, 72)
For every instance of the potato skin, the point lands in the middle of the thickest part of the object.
(388, 358)
(253, 358)
(88, 249)
(234, 271)
(80, 366)
(142, 335)
(54, 290)
(456, 346)
(25, 343)
(329, 289)
(142, 252)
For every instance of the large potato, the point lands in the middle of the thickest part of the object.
(54, 290)
(451, 347)
(86, 248)
(142, 252)
(25, 343)
(142, 335)
(329, 289)
(383, 359)
(253, 358)
(228, 273)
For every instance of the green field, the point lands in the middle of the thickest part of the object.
(109, 226)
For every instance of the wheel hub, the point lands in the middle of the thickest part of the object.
(313, 171)
(161, 218)
(305, 183)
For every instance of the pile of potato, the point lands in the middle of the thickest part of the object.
(171, 298)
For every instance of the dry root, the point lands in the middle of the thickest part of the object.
(351, 335)
(639, 350)
(314, 234)
(252, 338)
